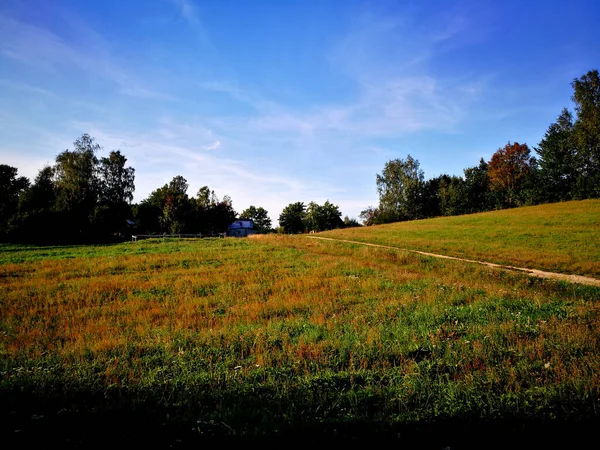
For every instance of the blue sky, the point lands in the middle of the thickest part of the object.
(273, 102)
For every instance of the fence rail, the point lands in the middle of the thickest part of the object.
(137, 237)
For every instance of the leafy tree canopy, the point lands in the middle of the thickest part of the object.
(292, 218)
(509, 171)
(586, 134)
(117, 181)
(259, 216)
(11, 187)
(350, 222)
(76, 177)
(323, 217)
(400, 188)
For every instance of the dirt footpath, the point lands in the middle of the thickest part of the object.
(532, 272)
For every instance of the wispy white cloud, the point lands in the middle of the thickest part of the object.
(15, 85)
(214, 146)
(395, 92)
(44, 50)
(244, 95)
(187, 10)
(285, 123)
(129, 87)
(449, 29)
(186, 132)
(393, 108)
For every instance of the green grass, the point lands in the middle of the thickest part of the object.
(259, 337)
(559, 237)
(11, 253)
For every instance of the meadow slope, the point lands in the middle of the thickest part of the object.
(559, 237)
(282, 337)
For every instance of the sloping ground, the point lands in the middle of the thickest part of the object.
(560, 237)
(532, 272)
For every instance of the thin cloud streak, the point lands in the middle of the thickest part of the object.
(213, 146)
(187, 11)
(398, 107)
(157, 160)
(393, 97)
(39, 48)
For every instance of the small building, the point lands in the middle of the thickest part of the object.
(241, 228)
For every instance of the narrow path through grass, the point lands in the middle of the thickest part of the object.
(532, 272)
(558, 237)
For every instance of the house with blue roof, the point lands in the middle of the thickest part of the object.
(241, 228)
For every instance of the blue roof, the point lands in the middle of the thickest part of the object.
(242, 223)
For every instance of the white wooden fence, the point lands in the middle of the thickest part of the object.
(137, 237)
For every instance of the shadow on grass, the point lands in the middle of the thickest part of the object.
(93, 422)
(11, 248)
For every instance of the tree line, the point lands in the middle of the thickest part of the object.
(86, 198)
(79, 197)
(300, 218)
(83, 198)
(567, 167)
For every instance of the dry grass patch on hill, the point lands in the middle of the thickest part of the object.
(559, 237)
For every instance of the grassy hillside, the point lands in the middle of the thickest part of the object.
(287, 338)
(560, 237)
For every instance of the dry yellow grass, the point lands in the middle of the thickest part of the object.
(560, 237)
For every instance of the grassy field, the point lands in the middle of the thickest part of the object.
(559, 237)
(288, 339)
